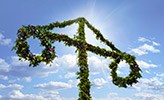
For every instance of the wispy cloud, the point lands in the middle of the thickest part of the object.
(4, 40)
(155, 43)
(142, 39)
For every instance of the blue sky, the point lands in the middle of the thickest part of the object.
(134, 26)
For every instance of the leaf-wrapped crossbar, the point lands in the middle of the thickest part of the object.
(47, 38)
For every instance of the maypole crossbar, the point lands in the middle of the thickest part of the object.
(47, 38)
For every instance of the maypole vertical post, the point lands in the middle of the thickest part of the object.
(83, 74)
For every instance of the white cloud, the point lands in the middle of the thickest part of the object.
(70, 75)
(50, 95)
(26, 79)
(74, 83)
(123, 64)
(137, 96)
(144, 49)
(18, 95)
(95, 73)
(145, 65)
(113, 96)
(4, 67)
(66, 98)
(11, 86)
(53, 86)
(67, 62)
(99, 82)
(151, 84)
(21, 69)
(139, 51)
(16, 62)
(150, 48)
(123, 67)
(23, 79)
(3, 40)
(147, 96)
(97, 63)
(2, 77)
(154, 81)
(161, 75)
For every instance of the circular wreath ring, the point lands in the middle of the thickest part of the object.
(134, 73)
(22, 47)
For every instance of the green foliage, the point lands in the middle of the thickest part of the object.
(48, 54)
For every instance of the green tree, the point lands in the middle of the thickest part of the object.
(47, 38)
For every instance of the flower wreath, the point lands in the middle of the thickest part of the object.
(22, 47)
(134, 73)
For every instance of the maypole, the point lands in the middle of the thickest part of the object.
(47, 38)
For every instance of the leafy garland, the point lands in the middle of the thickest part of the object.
(48, 54)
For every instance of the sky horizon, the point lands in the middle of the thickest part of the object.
(135, 27)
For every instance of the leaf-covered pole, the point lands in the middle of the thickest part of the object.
(47, 38)
(83, 75)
